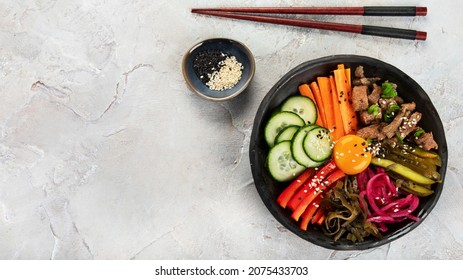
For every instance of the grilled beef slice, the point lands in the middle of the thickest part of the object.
(360, 98)
(426, 141)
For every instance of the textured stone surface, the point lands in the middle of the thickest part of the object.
(106, 154)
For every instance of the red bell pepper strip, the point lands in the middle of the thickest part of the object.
(311, 184)
(332, 178)
(309, 213)
(317, 216)
(300, 194)
(322, 218)
(286, 195)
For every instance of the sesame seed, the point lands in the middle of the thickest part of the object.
(228, 75)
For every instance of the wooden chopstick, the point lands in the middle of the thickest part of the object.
(343, 27)
(360, 11)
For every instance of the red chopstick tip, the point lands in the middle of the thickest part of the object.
(420, 35)
(421, 11)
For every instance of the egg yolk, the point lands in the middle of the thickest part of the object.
(351, 154)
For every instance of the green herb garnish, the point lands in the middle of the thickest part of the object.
(418, 132)
(389, 90)
(373, 109)
(394, 107)
(390, 112)
(397, 134)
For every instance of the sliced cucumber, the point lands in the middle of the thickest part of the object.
(318, 144)
(297, 147)
(303, 106)
(281, 163)
(279, 121)
(286, 134)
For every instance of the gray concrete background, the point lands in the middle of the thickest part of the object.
(106, 154)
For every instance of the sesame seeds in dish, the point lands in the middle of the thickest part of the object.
(218, 70)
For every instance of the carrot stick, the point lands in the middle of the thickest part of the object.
(349, 90)
(305, 90)
(321, 107)
(348, 75)
(349, 81)
(325, 89)
(349, 117)
(338, 130)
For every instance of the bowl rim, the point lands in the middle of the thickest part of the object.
(243, 87)
(258, 181)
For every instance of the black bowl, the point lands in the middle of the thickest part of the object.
(269, 189)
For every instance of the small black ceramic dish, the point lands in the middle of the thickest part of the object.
(228, 47)
(269, 189)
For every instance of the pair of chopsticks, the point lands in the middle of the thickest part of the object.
(255, 14)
